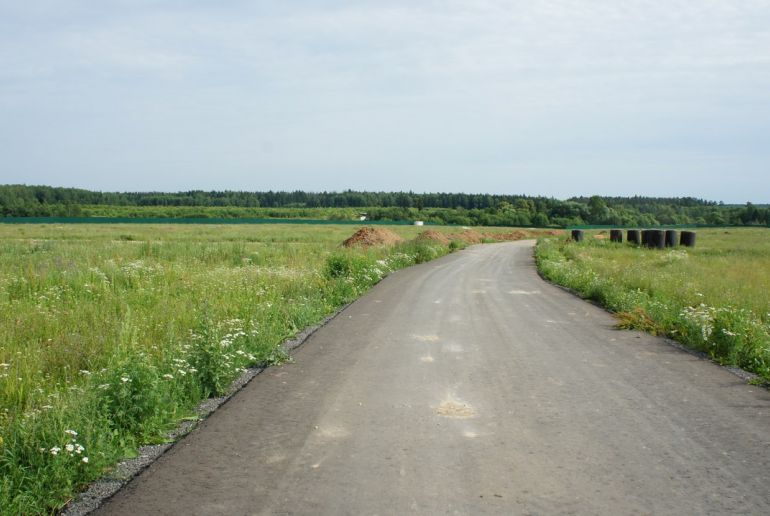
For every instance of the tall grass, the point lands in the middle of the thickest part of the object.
(110, 334)
(712, 298)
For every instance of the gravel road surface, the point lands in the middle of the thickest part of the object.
(468, 385)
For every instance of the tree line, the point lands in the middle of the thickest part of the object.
(440, 208)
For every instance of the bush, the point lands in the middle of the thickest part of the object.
(337, 266)
(345, 264)
(132, 397)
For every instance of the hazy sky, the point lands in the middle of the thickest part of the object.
(556, 98)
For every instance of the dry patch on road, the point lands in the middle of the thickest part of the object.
(426, 338)
(455, 409)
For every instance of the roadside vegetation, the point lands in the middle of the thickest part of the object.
(712, 298)
(110, 334)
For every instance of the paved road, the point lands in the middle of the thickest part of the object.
(465, 386)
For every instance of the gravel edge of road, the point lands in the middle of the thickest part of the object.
(104, 488)
(744, 375)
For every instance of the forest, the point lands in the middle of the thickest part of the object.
(437, 208)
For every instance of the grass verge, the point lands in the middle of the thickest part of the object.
(712, 298)
(111, 335)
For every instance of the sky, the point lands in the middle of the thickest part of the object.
(557, 98)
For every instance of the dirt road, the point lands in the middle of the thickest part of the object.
(465, 386)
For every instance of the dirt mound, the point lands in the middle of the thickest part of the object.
(523, 234)
(510, 236)
(432, 236)
(517, 234)
(468, 236)
(369, 236)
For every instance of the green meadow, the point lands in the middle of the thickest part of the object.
(712, 298)
(111, 334)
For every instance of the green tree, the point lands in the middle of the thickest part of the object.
(597, 210)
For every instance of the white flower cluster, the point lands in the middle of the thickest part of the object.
(51, 295)
(381, 268)
(229, 338)
(99, 275)
(706, 317)
(675, 256)
(703, 317)
(70, 449)
(138, 268)
(283, 271)
(181, 367)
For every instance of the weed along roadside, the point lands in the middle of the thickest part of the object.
(711, 298)
(117, 333)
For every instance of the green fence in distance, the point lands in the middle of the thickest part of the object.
(201, 220)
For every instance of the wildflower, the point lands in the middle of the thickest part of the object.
(71, 432)
(47, 407)
(70, 448)
(85, 373)
(84, 459)
(5, 366)
(55, 450)
(79, 449)
(125, 379)
(168, 376)
(104, 386)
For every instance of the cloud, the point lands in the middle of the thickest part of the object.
(470, 89)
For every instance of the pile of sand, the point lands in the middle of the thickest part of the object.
(513, 235)
(369, 236)
(468, 236)
(473, 237)
(433, 236)
(523, 234)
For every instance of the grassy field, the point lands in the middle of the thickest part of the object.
(713, 298)
(110, 334)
